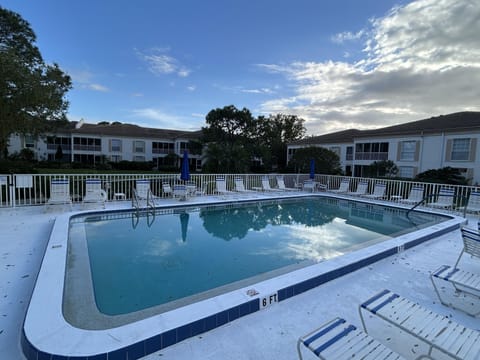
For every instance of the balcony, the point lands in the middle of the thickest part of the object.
(371, 156)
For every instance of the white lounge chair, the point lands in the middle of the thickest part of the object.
(344, 186)
(338, 339)
(281, 185)
(362, 188)
(378, 191)
(473, 204)
(433, 335)
(415, 195)
(221, 185)
(59, 192)
(240, 186)
(167, 189)
(444, 200)
(265, 185)
(142, 187)
(458, 288)
(94, 192)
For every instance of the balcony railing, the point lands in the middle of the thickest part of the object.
(97, 148)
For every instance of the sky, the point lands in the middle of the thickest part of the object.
(338, 64)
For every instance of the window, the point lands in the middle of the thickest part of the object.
(139, 146)
(29, 141)
(349, 153)
(407, 150)
(460, 149)
(406, 172)
(116, 145)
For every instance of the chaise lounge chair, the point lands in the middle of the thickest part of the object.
(433, 335)
(221, 185)
(458, 288)
(473, 204)
(378, 191)
(344, 186)
(281, 185)
(59, 192)
(94, 192)
(143, 191)
(265, 185)
(444, 199)
(415, 196)
(362, 188)
(339, 340)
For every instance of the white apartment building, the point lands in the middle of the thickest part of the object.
(447, 140)
(89, 143)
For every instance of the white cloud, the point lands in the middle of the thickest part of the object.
(151, 117)
(422, 59)
(160, 63)
(84, 79)
(191, 88)
(347, 36)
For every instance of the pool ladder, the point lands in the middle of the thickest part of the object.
(149, 209)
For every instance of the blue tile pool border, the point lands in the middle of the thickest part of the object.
(176, 335)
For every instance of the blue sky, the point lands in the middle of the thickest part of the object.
(336, 63)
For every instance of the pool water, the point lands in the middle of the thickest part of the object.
(137, 263)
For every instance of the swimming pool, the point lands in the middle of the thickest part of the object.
(173, 324)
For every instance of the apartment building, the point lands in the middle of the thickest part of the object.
(447, 140)
(91, 143)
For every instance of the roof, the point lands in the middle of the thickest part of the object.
(135, 131)
(456, 122)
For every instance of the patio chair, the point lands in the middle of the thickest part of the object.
(221, 185)
(444, 200)
(337, 339)
(265, 185)
(167, 189)
(473, 204)
(142, 187)
(458, 288)
(59, 192)
(281, 185)
(94, 192)
(344, 186)
(378, 191)
(415, 195)
(433, 335)
(240, 186)
(362, 188)
(180, 192)
(309, 185)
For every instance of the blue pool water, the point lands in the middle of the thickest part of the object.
(137, 263)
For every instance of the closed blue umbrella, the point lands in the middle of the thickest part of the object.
(185, 170)
(184, 217)
(312, 169)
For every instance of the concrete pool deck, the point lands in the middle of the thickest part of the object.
(266, 334)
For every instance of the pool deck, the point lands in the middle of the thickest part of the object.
(266, 334)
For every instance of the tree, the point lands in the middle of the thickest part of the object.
(31, 92)
(227, 138)
(274, 133)
(446, 175)
(326, 161)
(385, 168)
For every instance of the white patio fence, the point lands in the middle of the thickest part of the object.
(34, 189)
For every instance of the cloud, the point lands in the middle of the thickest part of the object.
(160, 63)
(151, 117)
(347, 36)
(257, 91)
(420, 60)
(84, 80)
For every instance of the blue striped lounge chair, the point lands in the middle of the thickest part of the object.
(94, 192)
(444, 200)
(432, 335)
(142, 187)
(338, 339)
(458, 288)
(59, 192)
(473, 204)
(344, 186)
(361, 190)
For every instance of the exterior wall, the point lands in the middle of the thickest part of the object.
(432, 151)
